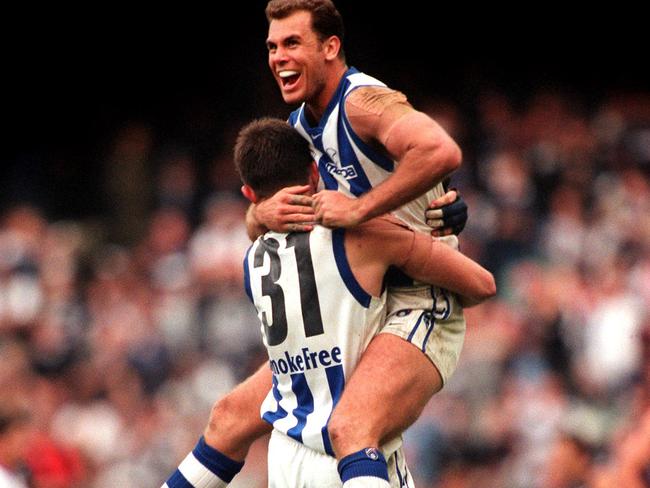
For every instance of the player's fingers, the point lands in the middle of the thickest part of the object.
(446, 199)
(435, 223)
(442, 232)
(299, 218)
(300, 200)
(299, 227)
(434, 213)
(298, 209)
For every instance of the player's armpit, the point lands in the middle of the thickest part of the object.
(436, 263)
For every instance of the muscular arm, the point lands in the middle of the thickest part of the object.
(384, 241)
(433, 262)
(424, 152)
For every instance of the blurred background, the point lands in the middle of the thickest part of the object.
(122, 312)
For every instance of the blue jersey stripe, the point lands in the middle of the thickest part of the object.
(432, 322)
(177, 480)
(399, 474)
(338, 242)
(334, 101)
(293, 117)
(377, 158)
(280, 412)
(360, 183)
(447, 313)
(426, 337)
(247, 277)
(339, 162)
(336, 382)
(415, 327)
(329, 180)
(305, 405)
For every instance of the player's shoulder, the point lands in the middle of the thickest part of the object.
(374, 99)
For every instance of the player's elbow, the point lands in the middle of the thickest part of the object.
(444, 157)
(490, 285)
(486, 286)
(223, 416)
(451, 154)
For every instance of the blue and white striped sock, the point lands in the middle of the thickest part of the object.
(366, 468)
(204, 467)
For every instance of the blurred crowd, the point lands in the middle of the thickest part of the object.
(118, 333)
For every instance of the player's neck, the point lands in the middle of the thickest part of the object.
(316, 108)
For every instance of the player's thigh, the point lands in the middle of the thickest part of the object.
(432, 320)
(235, 419)
(388, 390)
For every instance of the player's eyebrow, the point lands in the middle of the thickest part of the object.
(284, 41)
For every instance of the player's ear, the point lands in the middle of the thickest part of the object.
(332, 47)
(249, 193)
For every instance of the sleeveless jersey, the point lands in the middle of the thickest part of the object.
(316, 322)
(348, 164)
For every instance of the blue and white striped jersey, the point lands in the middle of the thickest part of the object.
(316, 322)
(349, 165)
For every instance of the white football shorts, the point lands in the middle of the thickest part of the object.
(430, 318)
(292, 465)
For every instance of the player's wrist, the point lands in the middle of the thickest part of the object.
(362, 210)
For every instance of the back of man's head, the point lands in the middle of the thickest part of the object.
(270, 154)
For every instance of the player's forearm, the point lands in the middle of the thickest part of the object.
(253, 227)
(420, 169)
(436, 263)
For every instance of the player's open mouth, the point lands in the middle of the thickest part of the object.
(288, 78)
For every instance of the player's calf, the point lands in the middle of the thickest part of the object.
(233, 426)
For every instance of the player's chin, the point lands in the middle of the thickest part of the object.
(291, 93)
(291, 97)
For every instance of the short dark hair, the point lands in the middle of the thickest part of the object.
(270, 154)
(326, 21)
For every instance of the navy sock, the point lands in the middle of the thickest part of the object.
(366, 462)
(201, 465)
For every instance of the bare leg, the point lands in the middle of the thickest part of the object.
(235, 419)
(233, 426)
(386, 394)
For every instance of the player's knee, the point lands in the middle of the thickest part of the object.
(348, 434)
(339, 432)
(222, 416)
